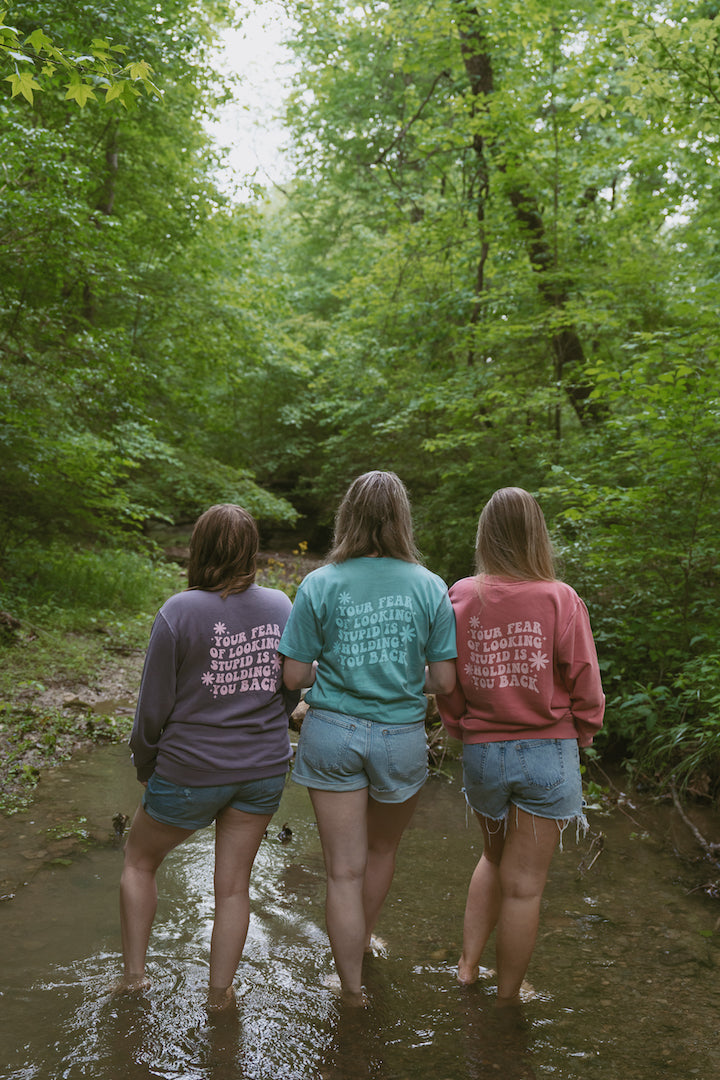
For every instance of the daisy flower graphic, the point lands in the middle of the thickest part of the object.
(220, 628)
(345, 598)
(208, 678)
(474, 622)
(538, 660)
(407, 633)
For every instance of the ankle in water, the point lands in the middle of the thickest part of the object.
(467, 973)
(220, 998)
(132, 983)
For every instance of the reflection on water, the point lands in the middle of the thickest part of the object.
(625, 970)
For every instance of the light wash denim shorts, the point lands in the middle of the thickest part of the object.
(337, 752)
(197, 807)
(540, 776)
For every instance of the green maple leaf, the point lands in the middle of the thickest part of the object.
(79, 92)
(23, 84)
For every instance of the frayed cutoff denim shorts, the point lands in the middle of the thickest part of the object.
(197, 807)
(337, 752)
(540, 776)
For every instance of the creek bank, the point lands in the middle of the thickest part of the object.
(40, 728)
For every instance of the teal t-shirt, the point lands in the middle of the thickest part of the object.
(372, 624)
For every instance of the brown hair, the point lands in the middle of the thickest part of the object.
(223, 550)
(512, 538)
(374, 518)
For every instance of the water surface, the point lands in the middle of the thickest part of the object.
(625, 971)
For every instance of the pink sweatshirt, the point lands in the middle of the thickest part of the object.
(527, 666)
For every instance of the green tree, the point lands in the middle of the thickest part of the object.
(504, 225)
(111, 378)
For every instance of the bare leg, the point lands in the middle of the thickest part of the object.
(386, 822)
(483, 900)
(529, 846)
(147, 845)
(237, 839)
(341, 818)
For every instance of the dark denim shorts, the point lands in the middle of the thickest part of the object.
(197, 807)
(337, 752)
(540, 776)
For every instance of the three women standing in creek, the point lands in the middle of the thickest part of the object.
(370, 634)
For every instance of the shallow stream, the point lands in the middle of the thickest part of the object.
(625, 973)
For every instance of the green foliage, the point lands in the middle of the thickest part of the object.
(61, 578)
(677, 727)
(126, 296)
(497, 263)
(39, 65)
(506, 273)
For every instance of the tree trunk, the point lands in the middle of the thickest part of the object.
(567, 350)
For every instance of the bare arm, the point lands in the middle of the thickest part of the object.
(440, 677)
(297, 675)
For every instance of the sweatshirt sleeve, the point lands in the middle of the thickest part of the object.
(452, 707)
(156, 698)
(579, 669)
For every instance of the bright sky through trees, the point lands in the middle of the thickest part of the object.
(249, 127)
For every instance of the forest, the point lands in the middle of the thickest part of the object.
(497, 262)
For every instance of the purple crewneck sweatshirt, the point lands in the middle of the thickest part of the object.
(212, 708)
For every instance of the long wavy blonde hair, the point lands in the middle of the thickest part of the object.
(513, 539)
(374, 518)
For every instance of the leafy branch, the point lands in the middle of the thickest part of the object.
(38, 63)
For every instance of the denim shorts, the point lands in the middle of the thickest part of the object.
(197, 807)
(540, 776)
(337, 752)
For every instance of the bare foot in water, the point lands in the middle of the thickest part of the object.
(467, 974)
(348, 997)
(220, 998)
(355, 1001)
(132, 984)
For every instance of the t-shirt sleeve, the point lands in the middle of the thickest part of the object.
(442, 643)
(578, 666)
(156, 698)
(302, 637)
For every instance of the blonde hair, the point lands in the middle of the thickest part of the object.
(223, 550)
(512, 538)
(374, 518)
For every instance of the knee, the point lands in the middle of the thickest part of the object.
(517, 887)
(382, 849)
(346, 874)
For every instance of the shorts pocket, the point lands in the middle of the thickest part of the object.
(165, 789)
(475, 757)
(405, 755)
(325, 740)
(543, 762)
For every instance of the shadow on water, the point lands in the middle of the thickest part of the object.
(625, 971)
